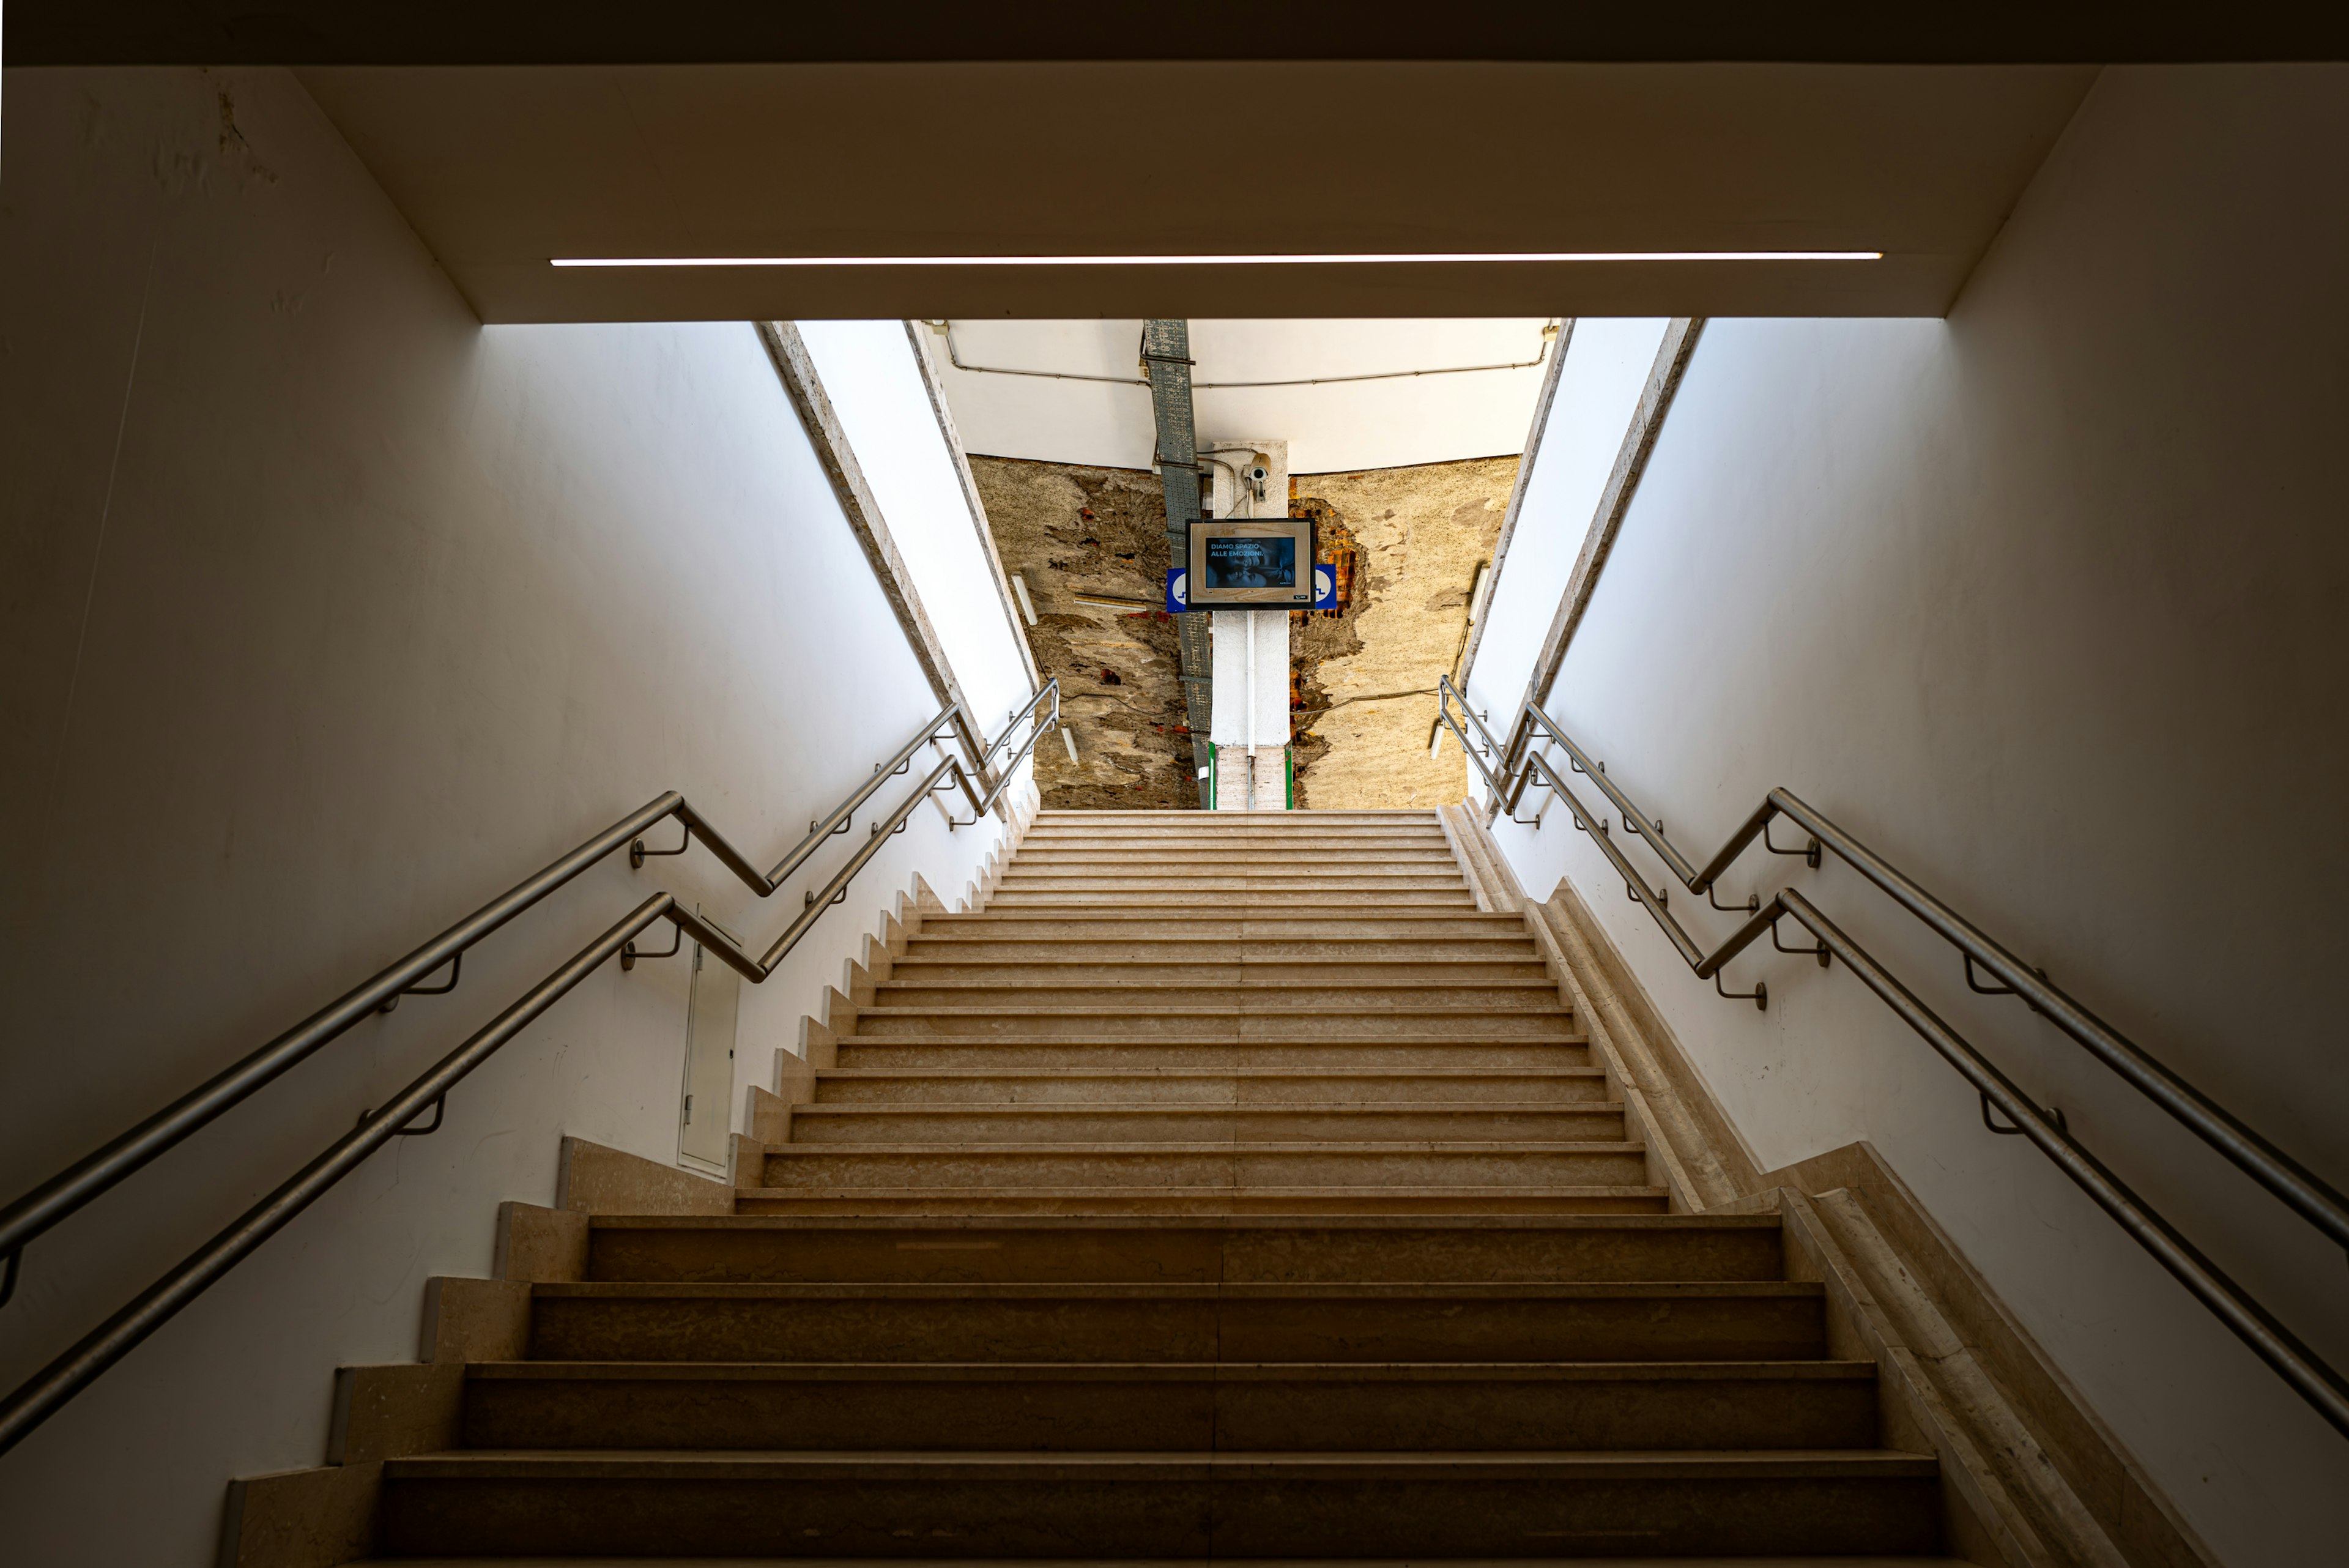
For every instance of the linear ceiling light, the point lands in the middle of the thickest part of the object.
(1372, 260)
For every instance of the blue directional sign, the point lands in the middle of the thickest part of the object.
(1178, 594)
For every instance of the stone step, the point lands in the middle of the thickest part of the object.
(1269, 1022)
(1396, 1121)
(1387, 866)
(1234, 1165)
(1383, 851)
(916, 968)
(1175, 844)
(1385, 1200)
(1301, 897)
(1208, 861)
(1873, 1560)
(1353, 1323)
(1292, 1406)
(1178, 814)
(1174, 1249)
(1019, 942)
(1094, 1052)
(1259, 832)
(1356, 921)
(1190, 1506)
(1248, 994)
(1267, 1087)
(1435, 932)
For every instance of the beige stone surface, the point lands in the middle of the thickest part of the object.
(1422, 531)
(596, 1180)
(1065, 529)
(540, 1243)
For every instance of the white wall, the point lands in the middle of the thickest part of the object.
(2045, 603)
(1331, 428)
(330, 614)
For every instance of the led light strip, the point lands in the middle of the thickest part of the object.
(1369, 260)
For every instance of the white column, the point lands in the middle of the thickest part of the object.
(1250, 718)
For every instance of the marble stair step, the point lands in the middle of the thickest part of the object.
(1183, 1248)
(1380, 865)
(1300, 1121)
(1239, 1086)
(1188, 1506)
(1017, 946)
(1093, 1051)
(920, 967)
(1048, 1406)
(1233, 1165)
(1385, 1200)
(1871, 1561)
(1266, 1023)
(1359, 896)
(1352, 1323)
(1164, 855)
(1428, 931)
(1244, 992)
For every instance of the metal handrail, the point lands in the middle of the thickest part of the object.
(53, 1200)
(2301, 1189)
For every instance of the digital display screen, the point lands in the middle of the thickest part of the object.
(1245, 563)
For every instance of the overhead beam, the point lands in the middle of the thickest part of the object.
(528, 32)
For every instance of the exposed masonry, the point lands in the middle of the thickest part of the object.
(1363, 698)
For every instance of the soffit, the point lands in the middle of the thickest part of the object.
(501, 168)
(483, 32)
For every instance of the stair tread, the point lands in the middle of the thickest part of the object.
(1214, 1145)
(1666, 1223)
(1188, 1290)
(1171, 1371)
(627, 1463)
(1396, 1191)
(1711, 1561)
(865, 1075)
(1193, 1108)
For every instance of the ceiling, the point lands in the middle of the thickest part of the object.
(1358, 394)
(529, 32)
(501, 169)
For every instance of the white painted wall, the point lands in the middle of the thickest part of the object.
(1331, 428)
(2044, 602)
(330, 614)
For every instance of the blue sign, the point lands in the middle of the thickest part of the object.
(1178, 589)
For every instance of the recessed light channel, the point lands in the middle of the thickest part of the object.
(1360, 260)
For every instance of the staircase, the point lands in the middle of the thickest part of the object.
(1184, 1206)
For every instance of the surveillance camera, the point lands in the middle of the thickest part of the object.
(1259, 474)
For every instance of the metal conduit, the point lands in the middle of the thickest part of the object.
(1521, 763)
(25, 1218)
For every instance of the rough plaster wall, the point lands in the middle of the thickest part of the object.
(328, 614)
(1422, 531)
(2044, 602)
(1061, 528)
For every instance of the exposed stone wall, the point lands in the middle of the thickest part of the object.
(1368, 681)
(1365, 686)
(1065, 529)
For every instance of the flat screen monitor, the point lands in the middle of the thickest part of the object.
(1241, 562)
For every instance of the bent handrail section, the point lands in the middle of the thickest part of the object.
(55, 1199)
(1522, 763)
